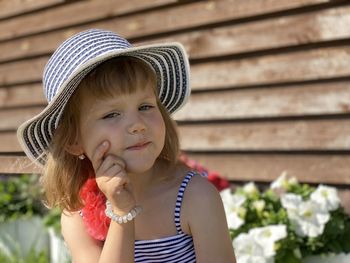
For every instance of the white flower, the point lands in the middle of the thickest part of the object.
(250, 188)
(312, 219)
(282, 182)
(232, 204)
(267, 236)
(226, 195)
(292, 181)
(247, 250)
(234, 221)
(291, 202)
(327, 197)
(259, 205)
(259, 244)
(308, 217)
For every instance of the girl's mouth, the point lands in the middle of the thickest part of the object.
(138, 146)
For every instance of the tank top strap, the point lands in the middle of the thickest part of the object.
(179, 200)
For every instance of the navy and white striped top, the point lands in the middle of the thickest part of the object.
(178, 248)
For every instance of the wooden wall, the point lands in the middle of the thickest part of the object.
(270, 79)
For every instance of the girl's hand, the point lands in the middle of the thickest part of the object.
(112, 179)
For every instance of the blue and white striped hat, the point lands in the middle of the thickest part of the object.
(81, 53)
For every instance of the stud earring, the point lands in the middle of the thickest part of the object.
(81, 157)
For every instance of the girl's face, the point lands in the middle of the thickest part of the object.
(131, 123)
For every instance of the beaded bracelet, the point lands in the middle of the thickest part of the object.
(121, 219)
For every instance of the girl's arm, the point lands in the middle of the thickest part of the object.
(85, 249)
(81, 246)
(206, 218)
(118, 247)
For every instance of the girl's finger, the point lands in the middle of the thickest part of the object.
(108, 162)
(118, 162)
(99, 155)
(114, 169)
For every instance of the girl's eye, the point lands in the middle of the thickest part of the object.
(111, 115)
(146, 107)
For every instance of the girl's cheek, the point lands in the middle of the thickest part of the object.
(91, 145)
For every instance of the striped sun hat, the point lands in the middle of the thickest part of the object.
(81, 53)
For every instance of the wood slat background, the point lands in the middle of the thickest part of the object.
(270, 79)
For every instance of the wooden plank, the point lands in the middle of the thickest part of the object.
(16, 7)
(286, 101)
(22, 95)
(287, 31)
(219, 41)
(10, 164)
(22, 71)
(311, 168)
(298, 135)
(66, 15)
(345, 199)
(332, 98)
(32, 45)
(316, 64)
(12, 118)
(320, 63)
(294, 100)
(174, 18)
(9, 143)
(301, 100)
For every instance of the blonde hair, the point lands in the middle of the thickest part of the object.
(65, 174)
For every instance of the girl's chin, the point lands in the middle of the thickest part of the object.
(138, 168)
(141, 163)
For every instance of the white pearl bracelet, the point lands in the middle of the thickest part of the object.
(121, 219)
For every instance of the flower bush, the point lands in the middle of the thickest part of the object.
(20, 197)
(286, 222)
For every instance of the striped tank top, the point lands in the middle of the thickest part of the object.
(178, 248)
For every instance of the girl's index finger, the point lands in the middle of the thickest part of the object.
(99, 154)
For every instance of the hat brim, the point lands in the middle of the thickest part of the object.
(169, 61)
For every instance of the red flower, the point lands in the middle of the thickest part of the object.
(93, 212)
(218, 181)
(214, 177)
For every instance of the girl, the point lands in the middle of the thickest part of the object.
(109, 150)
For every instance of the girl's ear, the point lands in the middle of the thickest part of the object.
(74, 148)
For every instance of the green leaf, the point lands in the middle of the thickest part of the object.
(288, 257)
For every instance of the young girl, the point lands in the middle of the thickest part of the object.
(109, 149)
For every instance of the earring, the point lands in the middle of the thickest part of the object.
(81, 157)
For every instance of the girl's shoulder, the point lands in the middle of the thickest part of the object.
(198, 186)
(201, 201)
(200, 189)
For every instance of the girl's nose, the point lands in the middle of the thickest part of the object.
(136, 125)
